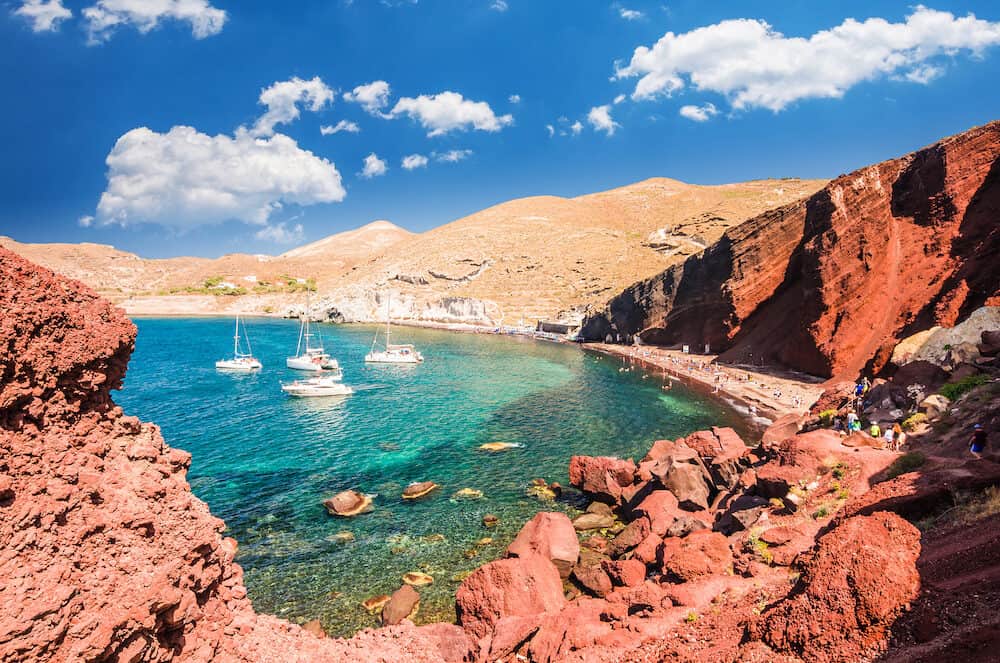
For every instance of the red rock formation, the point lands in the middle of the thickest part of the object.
(833, 282)
(861, 575)
(550, 535)
(104, 552)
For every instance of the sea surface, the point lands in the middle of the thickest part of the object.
(264, 462)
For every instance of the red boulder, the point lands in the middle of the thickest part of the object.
(551, 535)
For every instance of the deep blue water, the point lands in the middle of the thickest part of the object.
(264, 462)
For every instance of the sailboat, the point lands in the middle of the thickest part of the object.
(393, 353)
(309, 357)
(323, 385)
(241, 361)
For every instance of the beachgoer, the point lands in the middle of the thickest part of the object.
(875, 431)
(851, 418)
(838, 424)
(887, 436)
(897, 436)
(866, 385)
(977, 443)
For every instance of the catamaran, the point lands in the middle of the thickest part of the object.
(241, 361)
(309, 357)
(324, 385)
(393, 353)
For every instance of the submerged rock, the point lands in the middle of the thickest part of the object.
(417, 579)
(419, 489)
(494, 447)
(468, 494)
(315, 628)
(375, 603)
(348, 503)
(490, 521)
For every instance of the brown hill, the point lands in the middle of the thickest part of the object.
(833, 282)
(547, 257)
(527, 259)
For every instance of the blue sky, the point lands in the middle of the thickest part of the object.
(718, 100)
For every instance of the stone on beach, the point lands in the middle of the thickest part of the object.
(348, 503)
(419, 489)
(592, 521)
(403, 604)
(550, 535)
(468, 494)
(601, 477)
(314, 627)
(682, 473)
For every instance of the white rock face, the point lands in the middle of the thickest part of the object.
(365, 305)
(946, 346)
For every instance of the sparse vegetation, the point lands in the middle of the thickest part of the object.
(826, 417)
(986, 503)
(953, 390)
(839, 470)
(822, 512)
(908, 462)
(913, 421)
(777, 502)
(691, 617)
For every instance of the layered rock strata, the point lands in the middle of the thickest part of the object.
(831, 283)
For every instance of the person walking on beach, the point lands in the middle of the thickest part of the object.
(852, 419)
(887, 436)
(977, 443)
(897, 436)
(875, 431)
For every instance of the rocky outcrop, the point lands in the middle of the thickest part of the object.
(833, 282)
(104, 552)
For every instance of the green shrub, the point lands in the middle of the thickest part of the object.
(914, 420)
(953, 390)
(826, 417)
(908, 462)
(691, 617)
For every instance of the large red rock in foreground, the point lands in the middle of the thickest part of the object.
(833, 282)
(104, 552)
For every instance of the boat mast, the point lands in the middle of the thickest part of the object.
(236, 338)
(388, 301)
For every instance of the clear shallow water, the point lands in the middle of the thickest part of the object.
(264, 462)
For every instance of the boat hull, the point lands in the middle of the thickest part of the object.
(315, 391)
(392, 358)
(313, 364)
(238, 365)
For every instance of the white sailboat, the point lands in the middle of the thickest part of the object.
(323, 385)
(393, 353)
(309, 357)
(241, 361)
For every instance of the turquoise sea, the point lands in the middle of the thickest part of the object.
(264, 461)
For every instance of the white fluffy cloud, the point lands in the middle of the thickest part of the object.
(85, 221)
(343, 125)
(106, 16)
(514, 98)
(551, 129)
(282, 100)
(44, 15)
(373, 167)
(281, 233)
(600, 118)
(699, 113)
(630, 14)
(413, 161)
(184, 178)
(373, 96)
(754, 65)
(499, 5)
(450, 111)
(576, 128)
(452, 156)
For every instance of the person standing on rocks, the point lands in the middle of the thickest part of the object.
(887, 436)
(875, 431)
(977, 443)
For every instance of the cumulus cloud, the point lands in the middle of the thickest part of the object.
(373, 96)
(413, 161)
(514, 98)
(44, 15)
(499, 5)
(630, 14)
(699, 113)
(373, 167)
(923, 74)
(106, 16)
(450, 111)
(620, 98)
(343, 125)
(282, 100)
(600, 118)
(753, 65)
(184, 178)
(452, 156)
(551, 129)
(280, 233)
(85, 221)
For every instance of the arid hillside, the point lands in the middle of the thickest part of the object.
(528, 259)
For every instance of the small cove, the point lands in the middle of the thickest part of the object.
(264, 462)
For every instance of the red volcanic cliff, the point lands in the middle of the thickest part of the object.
(831, 283)
(105, 555)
